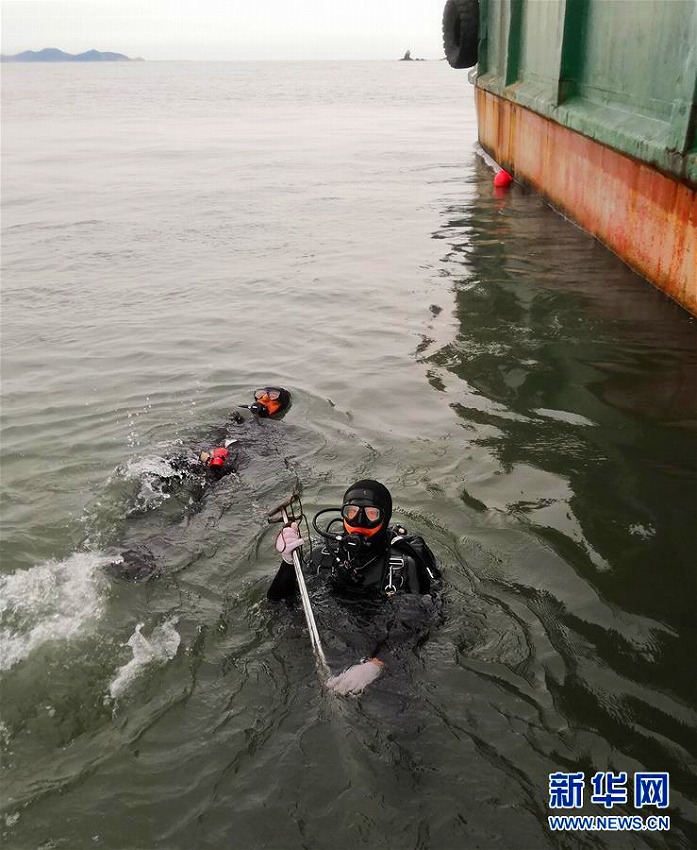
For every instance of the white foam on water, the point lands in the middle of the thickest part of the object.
(149, 466)
(153, 474)
(159, 648)
(646, 532)
(50, 602)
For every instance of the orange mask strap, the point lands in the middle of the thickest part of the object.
(272, 405)
(366, 532)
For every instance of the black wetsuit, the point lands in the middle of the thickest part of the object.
(191, 482)
(383, 609)
(191, 464)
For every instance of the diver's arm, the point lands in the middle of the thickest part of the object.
(284, 584)
(357, 677)
(408, 628)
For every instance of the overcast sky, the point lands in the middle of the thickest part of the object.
(227, 29)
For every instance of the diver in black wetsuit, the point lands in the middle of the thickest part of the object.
(384, 582)
(218, 461)
(137, 562)
(218, 458)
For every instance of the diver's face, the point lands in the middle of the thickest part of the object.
(362, 519)
(270, 399)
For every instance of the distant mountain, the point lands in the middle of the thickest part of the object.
(51, 54)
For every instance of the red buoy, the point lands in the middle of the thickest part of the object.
(502, 179)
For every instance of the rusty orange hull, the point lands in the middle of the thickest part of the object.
(647, 218)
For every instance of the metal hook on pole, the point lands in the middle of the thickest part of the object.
(320, 658)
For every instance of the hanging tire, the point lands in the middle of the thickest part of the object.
(461, 32)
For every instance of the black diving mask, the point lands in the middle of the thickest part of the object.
(361, 516)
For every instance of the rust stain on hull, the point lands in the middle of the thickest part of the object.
(645, 217)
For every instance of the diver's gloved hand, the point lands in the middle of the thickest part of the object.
(288, 541)
(356, 678)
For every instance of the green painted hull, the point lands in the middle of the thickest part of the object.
(622, 72)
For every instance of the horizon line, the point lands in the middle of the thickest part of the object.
(257, 59)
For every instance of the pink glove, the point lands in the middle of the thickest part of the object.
(356, 678)
(288, 541)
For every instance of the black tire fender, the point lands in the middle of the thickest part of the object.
(461, 32)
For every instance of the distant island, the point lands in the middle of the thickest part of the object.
(51, 54)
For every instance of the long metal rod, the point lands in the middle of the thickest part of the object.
(322, 665)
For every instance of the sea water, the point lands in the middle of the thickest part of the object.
(176, 234)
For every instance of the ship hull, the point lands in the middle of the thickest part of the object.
(647, 218)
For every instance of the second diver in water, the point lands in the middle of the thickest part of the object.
(217, 461)
(138, 561)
